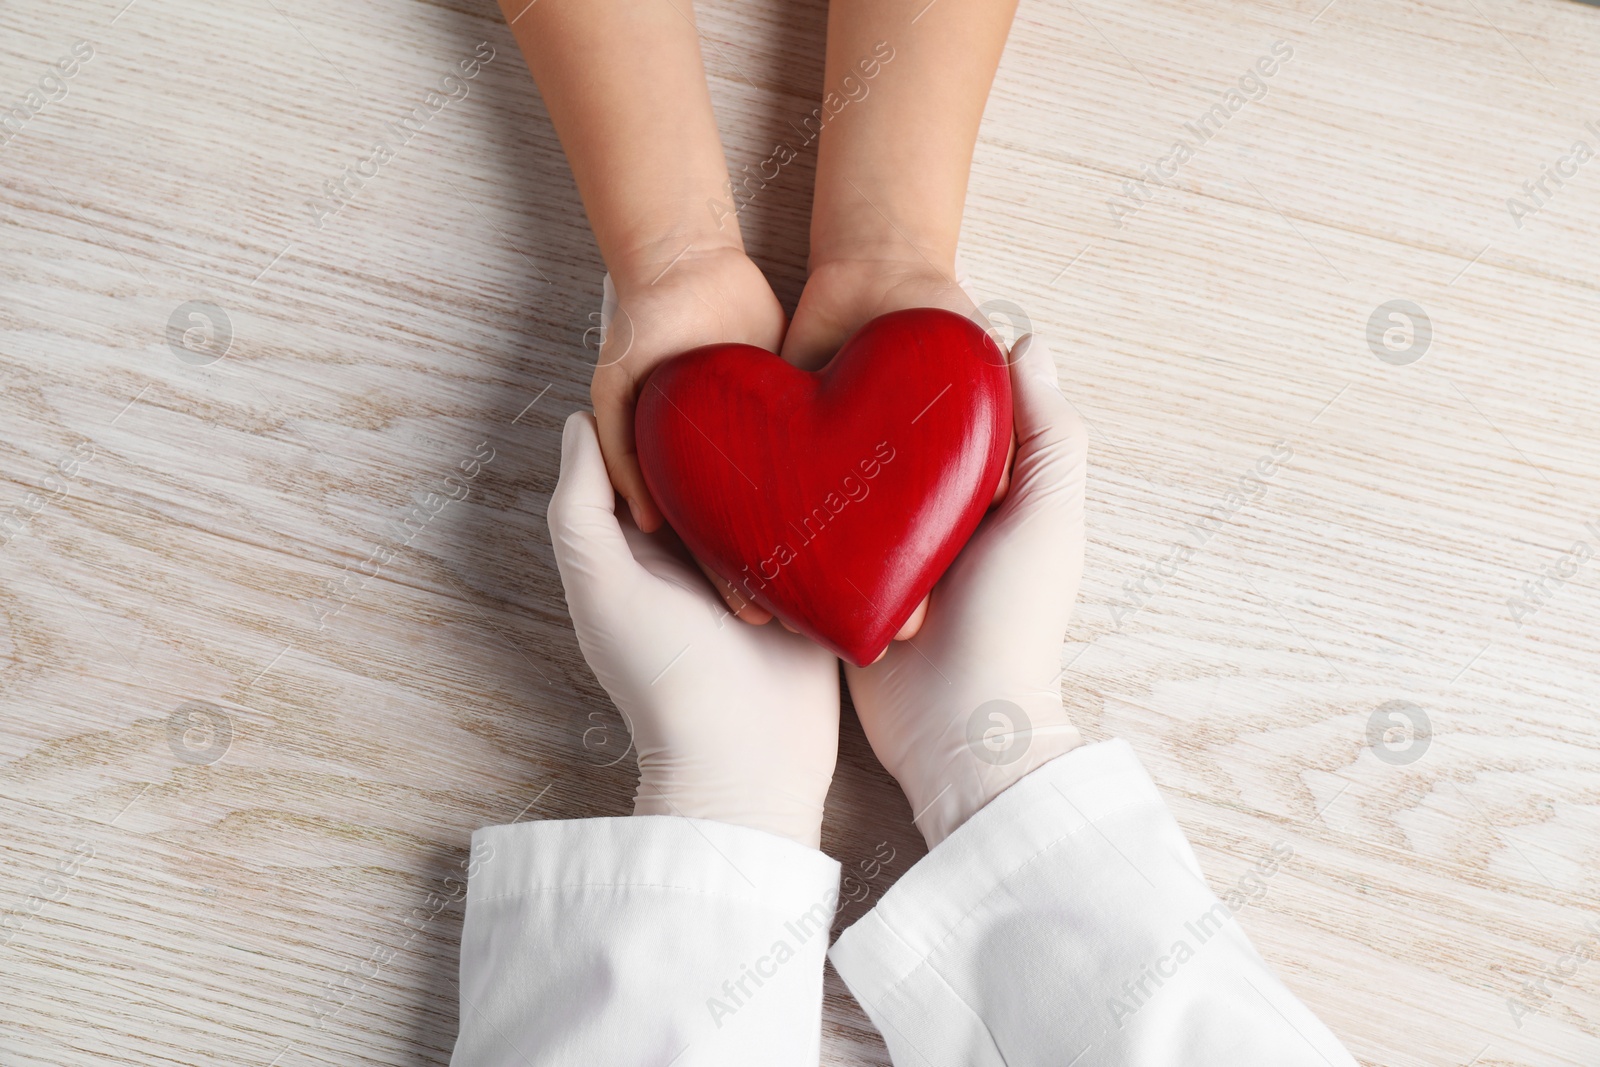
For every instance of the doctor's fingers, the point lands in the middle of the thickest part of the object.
(591, 552)
(1052, 444)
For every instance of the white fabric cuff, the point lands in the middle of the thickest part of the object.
(647, 939)
(1068, 918)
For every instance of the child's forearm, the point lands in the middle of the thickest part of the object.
(626, 89)
(892, 167)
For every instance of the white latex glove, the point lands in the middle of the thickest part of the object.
(731, 722)
(972, 704)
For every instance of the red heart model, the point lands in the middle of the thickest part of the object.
(834, 499)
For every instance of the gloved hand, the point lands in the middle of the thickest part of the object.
(730, 722)
(973, 702)
(700, 298)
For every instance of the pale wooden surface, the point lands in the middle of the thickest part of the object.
(369, 357)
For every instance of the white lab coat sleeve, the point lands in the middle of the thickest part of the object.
(1067, 922)
(649, 940)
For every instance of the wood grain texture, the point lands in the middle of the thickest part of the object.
(257, 686)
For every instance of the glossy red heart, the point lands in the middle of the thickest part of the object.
(834, 499)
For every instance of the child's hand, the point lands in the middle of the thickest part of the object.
(666, 304)
(843, 295)
(731, 722)
(976, 703)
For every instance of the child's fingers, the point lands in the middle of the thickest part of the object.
(1004, 485)
(738, 605)
(613, 410)
(810, 344)
(909, 628)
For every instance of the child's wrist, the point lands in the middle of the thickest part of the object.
(867, 235)
(895, 252)
(643, 260)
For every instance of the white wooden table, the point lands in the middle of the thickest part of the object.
(249, 713)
